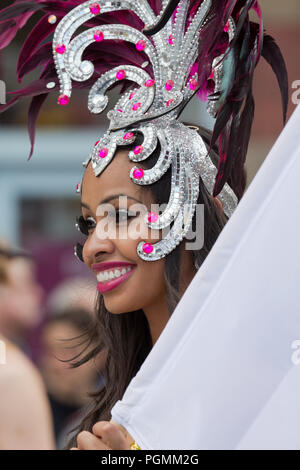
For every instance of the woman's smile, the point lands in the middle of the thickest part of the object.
(111, 278)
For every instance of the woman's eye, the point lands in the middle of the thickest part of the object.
(85, 225)
(122, 215)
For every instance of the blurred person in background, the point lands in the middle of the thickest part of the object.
(21, 296)
(25, 417)
(68, 388)
(76, 292)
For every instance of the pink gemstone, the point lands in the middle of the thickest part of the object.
(128, 136)
(152, 217)
(140, 45)
(193, 84)
(96, 143)
(147, 248)
(98, 36)
(170, 102)
(171, 39)
(138, 149)
(136, 106)
(121, 74)
(138, 173)
(169, 85)
(95, 8)
(131, 95)
(149, 83)
(212, 74)
(103, 152)
(120, 110)
(60, 49)
(226, 27)
(78, 188)
(63, 100)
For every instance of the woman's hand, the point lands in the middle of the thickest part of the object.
(106, 435)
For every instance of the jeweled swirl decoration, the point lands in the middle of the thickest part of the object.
(150, 108)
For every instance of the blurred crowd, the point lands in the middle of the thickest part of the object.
(42, 400)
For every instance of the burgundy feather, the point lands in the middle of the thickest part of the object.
(33, 112)
(9, 28)
(237, 178)
(9, 104)
(40, 57)
(272, 54)
(39, 33)
(18, 9)
(247, 48)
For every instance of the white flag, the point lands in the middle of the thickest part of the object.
(225, 372)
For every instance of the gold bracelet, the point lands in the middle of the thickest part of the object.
(135, 446)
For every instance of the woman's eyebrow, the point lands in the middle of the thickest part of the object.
(110, 198)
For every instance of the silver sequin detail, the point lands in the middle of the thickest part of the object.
(149, 108)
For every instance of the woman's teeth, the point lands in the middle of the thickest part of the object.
(105, 276)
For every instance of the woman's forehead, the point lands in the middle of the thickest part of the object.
(116, 173)
(115, 179)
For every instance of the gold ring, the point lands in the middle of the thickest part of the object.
(134, 446)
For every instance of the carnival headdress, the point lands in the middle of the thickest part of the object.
(170, 51)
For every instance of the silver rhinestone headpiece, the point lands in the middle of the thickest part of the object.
(150, 109)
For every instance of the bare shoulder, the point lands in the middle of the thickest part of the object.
(26, 421)
(17, 367)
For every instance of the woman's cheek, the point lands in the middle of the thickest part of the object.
(137, 229)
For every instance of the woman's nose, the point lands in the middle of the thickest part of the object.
(96, 245)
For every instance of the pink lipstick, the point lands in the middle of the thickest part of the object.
(113, 276)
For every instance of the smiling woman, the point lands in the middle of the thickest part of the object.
(117, 246)
(134, 309)
(162, 53)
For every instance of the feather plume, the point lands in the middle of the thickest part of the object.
(235, 103)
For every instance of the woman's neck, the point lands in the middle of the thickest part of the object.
(157, 315)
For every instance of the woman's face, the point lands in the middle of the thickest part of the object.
(21, 298)
(116, 240)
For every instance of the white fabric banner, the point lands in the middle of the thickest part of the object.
(225, 372)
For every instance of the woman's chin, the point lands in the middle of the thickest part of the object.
(117, 306)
